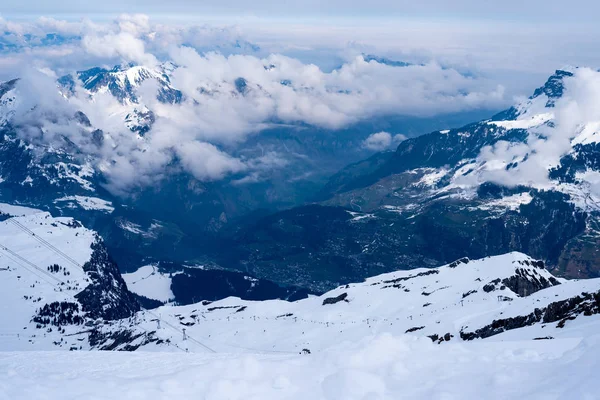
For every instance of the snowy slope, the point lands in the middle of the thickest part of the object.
(149, 282)
(383, 367)
(551, 132)
(406, 333)
(506, 296)
(443, 303)
(358, 348)
(48, 263)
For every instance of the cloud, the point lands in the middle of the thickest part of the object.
(381, 141)
(575, 117)
(123, 45)
(206, 162)
(227, 96)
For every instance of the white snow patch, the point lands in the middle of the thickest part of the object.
(525, 121)
(512, 202)
(76, 173)
(17, 211)
(432, 178)
(356, 216)
(589, 134)
(137, 229)
(89, 203)
(149, 282)
(381, 366)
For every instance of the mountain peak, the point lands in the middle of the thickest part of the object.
(554, 86)
(121, 81)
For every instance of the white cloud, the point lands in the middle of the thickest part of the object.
(206, 162)
(122, 45)
(381, 141)
(217, 115)
(575, 114)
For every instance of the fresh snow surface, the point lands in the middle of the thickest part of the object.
(433, 177)
(377, 367)
(149, 282)
(78, 173)
(433, 301)
(512, 202)
(25, 282)
(235, 349)
(88, 203)
(17, 211)
(589, 134)
(525, 121)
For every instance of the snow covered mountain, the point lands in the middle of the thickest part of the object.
(58, 157)
(524, 180)
(510, 295)
(60, 289)
(57, 279)
(424, 331)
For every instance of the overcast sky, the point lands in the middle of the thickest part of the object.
(528, 10)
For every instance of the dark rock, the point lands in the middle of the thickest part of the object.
(82, 119)
(107, 296)
(337, 299)
(454, 264)
(526, 282)
(562, 311)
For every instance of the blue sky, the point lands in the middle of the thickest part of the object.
(532, 10)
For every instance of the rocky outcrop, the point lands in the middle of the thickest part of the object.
(585, 304)
(106, 296)
(337, 299)
(526, 282)
(122, 340)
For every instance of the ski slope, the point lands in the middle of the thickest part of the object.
(26, 242)
(376, 368)
(449, 300)
(48, 262)
(398, 335)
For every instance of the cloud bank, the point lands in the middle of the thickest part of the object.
(229, 89)
(381, 141)
(574, 119)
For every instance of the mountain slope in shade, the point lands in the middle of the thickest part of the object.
(483, 189)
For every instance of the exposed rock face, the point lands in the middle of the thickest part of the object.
(526, 282)
(123, 340)
(337, 299)
(107, 296)
(456, 263)
(564, 310)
